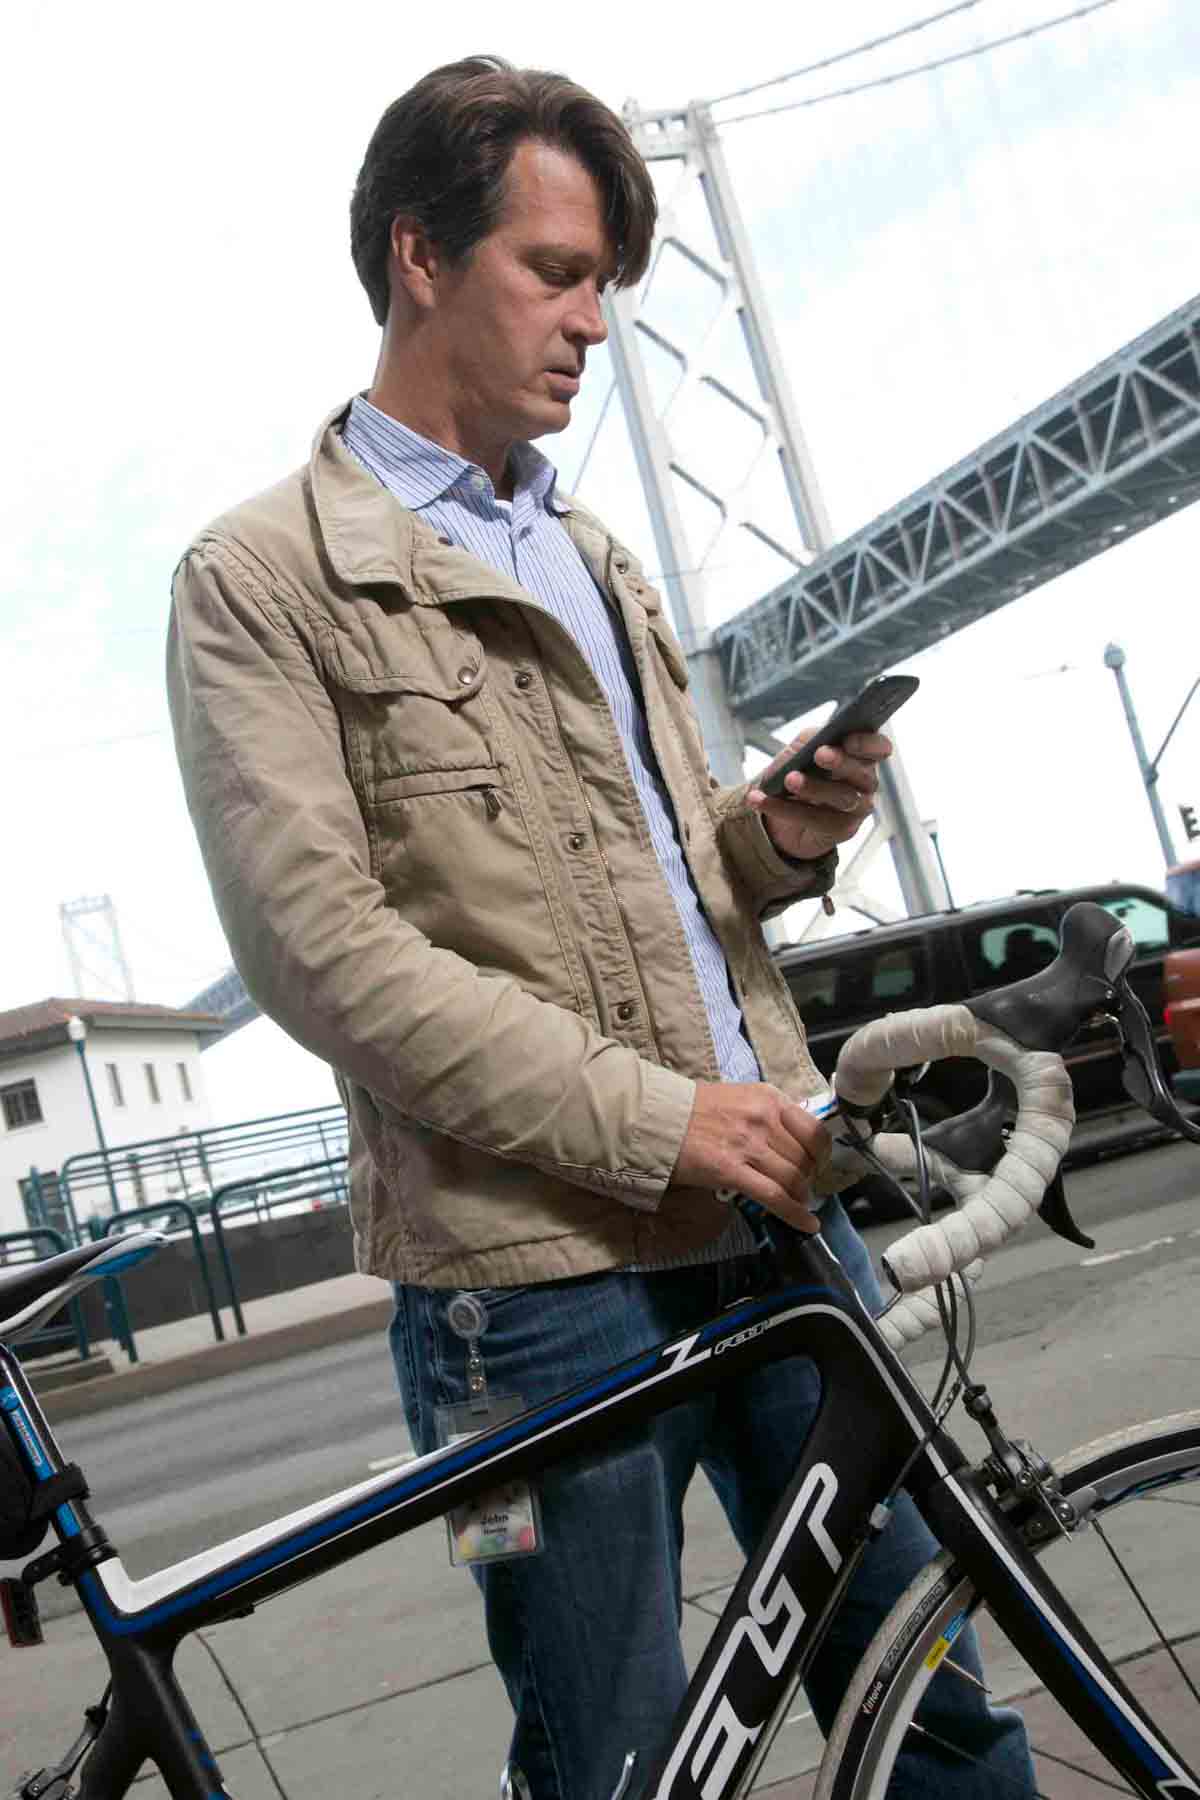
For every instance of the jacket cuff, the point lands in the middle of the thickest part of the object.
(667, 1104)
(774, 881)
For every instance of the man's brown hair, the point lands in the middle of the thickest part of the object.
(441, 152)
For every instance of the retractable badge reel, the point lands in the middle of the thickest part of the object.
(505, 1521)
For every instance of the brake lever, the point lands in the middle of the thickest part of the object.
(975, 1140)
(1141, 1076)
(1054, 1212)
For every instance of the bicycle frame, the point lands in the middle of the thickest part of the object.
(775, 1618)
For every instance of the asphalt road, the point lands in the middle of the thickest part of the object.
(1075, 1341)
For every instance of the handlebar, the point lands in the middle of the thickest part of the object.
(1018, 1032)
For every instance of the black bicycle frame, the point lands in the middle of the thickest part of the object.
(872, 1425)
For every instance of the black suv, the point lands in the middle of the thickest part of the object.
(840, 983)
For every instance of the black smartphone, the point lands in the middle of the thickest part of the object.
(866, 712)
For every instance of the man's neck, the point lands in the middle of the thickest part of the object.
(433, 416)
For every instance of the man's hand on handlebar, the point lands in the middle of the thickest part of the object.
(750, 1137)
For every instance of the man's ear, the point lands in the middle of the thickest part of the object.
(415, 261)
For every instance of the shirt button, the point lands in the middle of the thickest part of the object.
(625, 1011)
(524, 679)
(576, 841)
(466, 676)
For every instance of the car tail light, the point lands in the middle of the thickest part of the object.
(1167, 1017)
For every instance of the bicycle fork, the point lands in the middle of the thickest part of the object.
(1057, 1645)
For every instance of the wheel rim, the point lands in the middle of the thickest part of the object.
(1140, 1492)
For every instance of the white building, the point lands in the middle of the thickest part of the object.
(144, 1067)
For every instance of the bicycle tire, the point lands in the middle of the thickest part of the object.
(1142, 1462)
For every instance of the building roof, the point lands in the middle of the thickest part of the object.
(42, 1025)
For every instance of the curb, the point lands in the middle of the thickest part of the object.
(145, 1379)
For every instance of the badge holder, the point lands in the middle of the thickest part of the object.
(504, 1522)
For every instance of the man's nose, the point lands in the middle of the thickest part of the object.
(586, 321)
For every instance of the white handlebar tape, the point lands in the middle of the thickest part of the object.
(910, 1316)
(998, 1204)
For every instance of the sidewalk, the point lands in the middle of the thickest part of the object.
(173, 1356)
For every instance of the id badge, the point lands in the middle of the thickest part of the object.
(503, 1522)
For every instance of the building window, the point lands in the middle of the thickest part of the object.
(152, 1083)
(114, 1084)
(21, 1105)
(185, 1081)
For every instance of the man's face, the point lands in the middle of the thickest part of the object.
(517, 318)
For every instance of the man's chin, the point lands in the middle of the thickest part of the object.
(549, 417)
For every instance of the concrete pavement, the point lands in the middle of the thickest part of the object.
(375, 1679)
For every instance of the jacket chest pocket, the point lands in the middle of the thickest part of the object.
(413, 707)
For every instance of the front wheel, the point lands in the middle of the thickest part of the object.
(1131, 1572)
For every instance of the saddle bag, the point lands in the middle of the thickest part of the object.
(20, 1530)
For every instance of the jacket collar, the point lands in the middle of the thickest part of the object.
(372, 540)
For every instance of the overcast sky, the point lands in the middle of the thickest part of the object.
(180, 311)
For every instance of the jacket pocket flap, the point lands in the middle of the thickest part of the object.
(437, 781)
(444, 664)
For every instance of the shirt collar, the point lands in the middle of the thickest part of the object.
(418, 471)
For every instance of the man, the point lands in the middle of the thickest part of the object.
(437, 744)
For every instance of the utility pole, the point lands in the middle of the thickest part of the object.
(1114, 659)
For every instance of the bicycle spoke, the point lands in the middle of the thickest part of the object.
(932, 1737)
(1136, 1591)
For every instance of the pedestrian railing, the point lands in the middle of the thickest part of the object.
(173, 1210)
(319, 1184)
(188, 1167)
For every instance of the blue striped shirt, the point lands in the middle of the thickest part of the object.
(523, 540)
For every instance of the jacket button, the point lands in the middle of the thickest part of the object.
(449, 542)
(466, 676)
(576, 841)
(524, 679)
(625, 1011)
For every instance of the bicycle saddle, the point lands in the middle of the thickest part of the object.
(31, 1293)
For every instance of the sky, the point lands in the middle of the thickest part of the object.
(938, 255)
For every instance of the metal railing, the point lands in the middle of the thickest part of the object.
(189, 1167)
(120, 1221)
(319, 1183)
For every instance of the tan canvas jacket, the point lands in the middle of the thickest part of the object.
(433, 870)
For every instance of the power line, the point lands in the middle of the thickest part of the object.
(941, 62)
(827, 62)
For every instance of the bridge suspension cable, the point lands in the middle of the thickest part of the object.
(840, 56)
(925, 68)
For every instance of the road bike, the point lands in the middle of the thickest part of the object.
(1001, 1521)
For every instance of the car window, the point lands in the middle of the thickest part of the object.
(860, 984)
(1145, 919)
(813, 991)
(894, 975)
(998, 954)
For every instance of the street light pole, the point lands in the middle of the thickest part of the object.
(77, 1032)
(1114, 659)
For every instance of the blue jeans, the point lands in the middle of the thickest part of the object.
(586, 1634)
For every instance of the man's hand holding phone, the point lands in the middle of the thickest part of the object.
(815, 794)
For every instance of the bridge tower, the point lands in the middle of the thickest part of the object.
(669, 468)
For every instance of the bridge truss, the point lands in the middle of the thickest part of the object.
(1113, 453)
